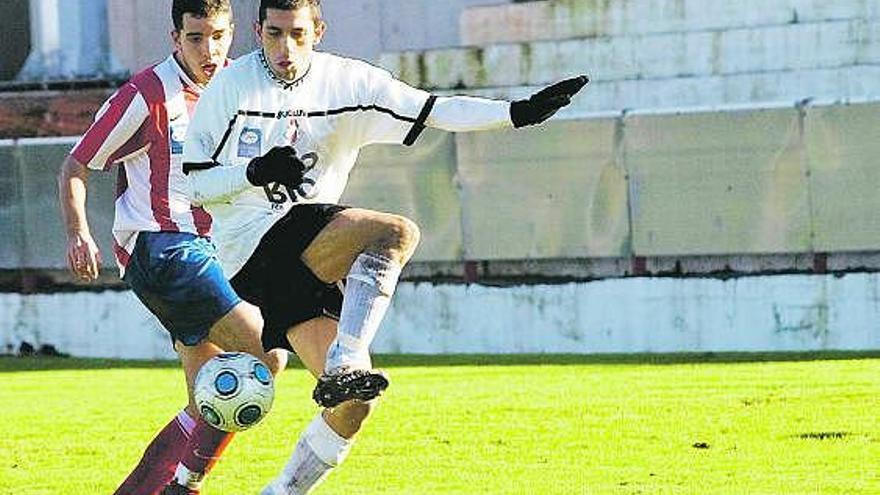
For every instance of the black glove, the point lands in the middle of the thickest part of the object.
(280, 165)
(543, 104)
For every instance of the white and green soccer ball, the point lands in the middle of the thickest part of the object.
(234, 391)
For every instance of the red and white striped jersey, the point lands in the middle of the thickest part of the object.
(142, 127)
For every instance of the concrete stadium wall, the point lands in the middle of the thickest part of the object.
(739, 181)
(751, 190)
(650, 54)
(641, 54)
(781, 313)
(774, 181)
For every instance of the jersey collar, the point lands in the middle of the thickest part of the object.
(187, 82)
(185, 79)
(283, 83)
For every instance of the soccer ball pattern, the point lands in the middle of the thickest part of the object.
(234, 391)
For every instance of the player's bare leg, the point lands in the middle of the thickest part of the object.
(326, 441)
(238, 330)
(368, 249)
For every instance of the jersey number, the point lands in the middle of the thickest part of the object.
(278, 194)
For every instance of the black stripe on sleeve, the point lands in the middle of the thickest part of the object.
(254, 113)
(362, 108)
(191, 167)
(324, 113)
(225, 138)
(419, 124)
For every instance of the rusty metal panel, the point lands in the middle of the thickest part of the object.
(554, 191)
(44, 239)
(842, 150)
(417, 182)
(730, 182)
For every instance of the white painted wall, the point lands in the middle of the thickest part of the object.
(365, 28)
(660, 54)
(83, 324)
(778, 313)
(781, 313)
(69, 40)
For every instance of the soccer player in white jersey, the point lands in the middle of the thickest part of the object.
(268, 152)
(160, 241)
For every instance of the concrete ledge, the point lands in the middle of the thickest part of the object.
(795, 47)
(758, 89)
(561, 19)
(504, 273)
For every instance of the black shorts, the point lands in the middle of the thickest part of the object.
(276, 280)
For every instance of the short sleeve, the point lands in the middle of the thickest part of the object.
(397, 111)
(115, 133)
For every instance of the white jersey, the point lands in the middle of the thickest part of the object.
(142, 128)
(338, 106)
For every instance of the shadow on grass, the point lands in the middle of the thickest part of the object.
(17, 364)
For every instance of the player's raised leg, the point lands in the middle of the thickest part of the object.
(328, 438)
(368, 249)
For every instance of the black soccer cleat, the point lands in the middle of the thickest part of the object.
(336, 388)
(174, 489)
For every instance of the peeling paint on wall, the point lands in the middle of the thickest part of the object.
(770, 313)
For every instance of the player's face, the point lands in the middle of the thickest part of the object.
(202, 45)
(289, 38)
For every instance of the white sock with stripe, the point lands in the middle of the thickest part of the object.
(318, 451)
(368, 289)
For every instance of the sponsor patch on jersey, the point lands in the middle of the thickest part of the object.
(177, 135)
(249, 142)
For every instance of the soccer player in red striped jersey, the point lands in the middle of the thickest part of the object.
(161, 242)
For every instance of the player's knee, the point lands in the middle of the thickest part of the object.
(245, 320)
(254, 317)
(413, 233)
(402, 234)
(276, 360)
(240, 331)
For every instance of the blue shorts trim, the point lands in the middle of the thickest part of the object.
(179, 279)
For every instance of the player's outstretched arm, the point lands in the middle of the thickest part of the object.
(468, 113)
(83, 255)
(212, 183)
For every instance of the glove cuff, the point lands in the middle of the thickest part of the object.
(251, 173)
(519, 113)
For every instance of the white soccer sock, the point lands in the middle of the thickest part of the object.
(318, 451)
(368, 289)
(189, 479)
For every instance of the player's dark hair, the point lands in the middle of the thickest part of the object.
(197, 8)
(291, 5)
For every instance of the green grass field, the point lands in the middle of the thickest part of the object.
(720, 424)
